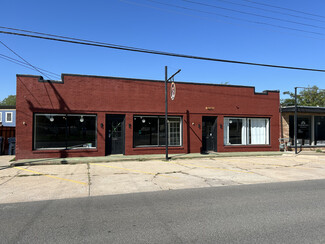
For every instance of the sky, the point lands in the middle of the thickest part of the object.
(242, 30)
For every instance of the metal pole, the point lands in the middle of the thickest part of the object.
(296, 121)
(166, 113)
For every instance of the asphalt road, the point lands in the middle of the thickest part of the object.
(266, 213)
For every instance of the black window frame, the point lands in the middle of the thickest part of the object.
(66, 146)
(291, 130)
(159, 117)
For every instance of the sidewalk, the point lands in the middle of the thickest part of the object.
(120, 158)
(5, 160)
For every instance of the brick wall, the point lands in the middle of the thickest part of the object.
(107, 95)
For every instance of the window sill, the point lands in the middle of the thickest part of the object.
(158, 148)
(65, 150)
(256, 145)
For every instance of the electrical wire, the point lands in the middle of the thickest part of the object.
(18, 62)
(25, 60)
(269, 10)
(283, 8)
(284, 31)
(252, 14)
(236, 18)
(125, 48)
(15, 61)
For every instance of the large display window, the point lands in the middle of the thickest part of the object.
(246, 131)
(65, 131)
(303, 130)
(149, 131)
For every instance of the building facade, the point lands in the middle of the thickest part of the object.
(97, 116)
(8, 115)
(310, 127)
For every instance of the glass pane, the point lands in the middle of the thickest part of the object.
(257, 131)
(145, 131)
(320, 130)
(235, 131)
(174, 132)
(50, 131)
(81, 131)
(162, 139)
(303, 130)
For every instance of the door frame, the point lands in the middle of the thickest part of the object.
(215, 139)
(109, 118)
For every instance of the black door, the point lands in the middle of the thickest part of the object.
(115, 134)
(209, 133)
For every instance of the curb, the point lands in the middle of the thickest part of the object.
(65, 161)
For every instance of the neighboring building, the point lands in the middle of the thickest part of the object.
(8, 115)
(310, 126)
(96, 116)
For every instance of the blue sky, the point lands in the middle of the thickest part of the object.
(150, 25)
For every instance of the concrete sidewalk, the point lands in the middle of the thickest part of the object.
(121, 158)
(69, 180)
(6, 160)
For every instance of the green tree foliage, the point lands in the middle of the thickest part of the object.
(9, 101)
(312, 96)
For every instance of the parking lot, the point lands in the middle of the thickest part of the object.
(45, 182)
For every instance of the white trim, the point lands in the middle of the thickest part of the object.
(246, 124)
(6, 118)
(0, 116)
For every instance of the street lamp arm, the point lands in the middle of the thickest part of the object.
(173, 75)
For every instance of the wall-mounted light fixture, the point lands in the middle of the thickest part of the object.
(101, 125)
(51, 119)
(82, 119)
(220, 126)
(193, 123)
(130, 126)
(199, 126)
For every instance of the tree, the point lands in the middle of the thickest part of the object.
(9, 101)
(312, 96)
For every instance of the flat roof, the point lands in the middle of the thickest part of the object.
(137, 79)
(7, 107)
(303, 109)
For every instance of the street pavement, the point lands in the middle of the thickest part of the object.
(290, 212)
(48, 182)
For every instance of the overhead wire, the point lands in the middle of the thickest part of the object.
(25, 60)
(269, 10)
(251, 14)
(236, 18)
(282, 30)
(126, 48)
(283, 8)
(18, 62)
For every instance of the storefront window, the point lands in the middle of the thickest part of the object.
(246, 131)
(303, 130)
(150, 131)
(64, 131)
(320, 130)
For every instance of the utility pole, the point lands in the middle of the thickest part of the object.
(166, 107)
(296, 121)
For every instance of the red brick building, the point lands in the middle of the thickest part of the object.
(97, 116)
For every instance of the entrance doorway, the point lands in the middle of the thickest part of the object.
(115, 134)
(209, 134)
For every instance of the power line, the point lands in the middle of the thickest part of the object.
(218, 20)
(24, 60)
(236, 18)
(252, 14)
(18, 62)
(268, 10)
(126, 48)
(289, 9)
